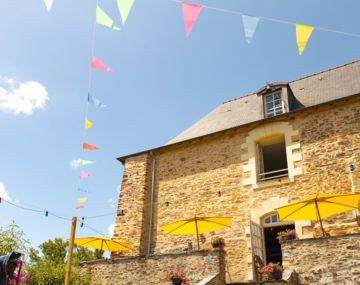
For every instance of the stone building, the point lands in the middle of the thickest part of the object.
(249, 156)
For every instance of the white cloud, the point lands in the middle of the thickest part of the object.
(3, 193)
(75, 163)
(111, 229)
(23, 97)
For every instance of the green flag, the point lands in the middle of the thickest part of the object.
(124, 8)
(103, 19)
(86, 162)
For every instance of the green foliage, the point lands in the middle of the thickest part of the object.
(48, 266)
(12, 238)
(54, 251)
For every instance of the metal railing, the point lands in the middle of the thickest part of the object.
(273, 174)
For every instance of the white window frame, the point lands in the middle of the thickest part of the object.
(274, 110)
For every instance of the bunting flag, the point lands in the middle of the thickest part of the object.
(97, 64)
(80, 207)
(84, 175)
(81, 200)
(191, 13)
(88, 124)
(86, 162)
(95, 101)
(250, 24)
(103, 19)
(303, 34)
(48, 4)
(89, 146)
(124, 8)
(81, 190)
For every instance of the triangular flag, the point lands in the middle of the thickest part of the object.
(124, 8)
(84, 175)
(191, 13)
(250, 24)
(79, 207)
(89, 146)
(95, 63)
(81, 190)
(103, 19)
(48, 4)
(95, 101)
(303, 34)
(86, 162)
(81, 200)
(88, 124)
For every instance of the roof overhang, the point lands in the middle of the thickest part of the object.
(284, 115)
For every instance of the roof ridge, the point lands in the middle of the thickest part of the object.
(301, 78)
(327, 70)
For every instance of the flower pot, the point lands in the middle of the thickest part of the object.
(285, 238)
(216, 245)
(276, 274)
(176, 281)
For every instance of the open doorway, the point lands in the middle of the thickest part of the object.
(271, 227)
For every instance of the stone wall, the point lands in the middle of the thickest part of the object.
(331, 260)
(153, 269)
(204, 177)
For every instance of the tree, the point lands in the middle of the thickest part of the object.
(48, 265)
(12, 238)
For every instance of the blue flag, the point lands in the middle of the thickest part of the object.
(250, 24)
(95, 101)
(81, 190)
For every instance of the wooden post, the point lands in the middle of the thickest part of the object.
(70, 252)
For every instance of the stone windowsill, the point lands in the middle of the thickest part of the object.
(277, 182)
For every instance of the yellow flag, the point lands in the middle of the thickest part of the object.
(88, 124)
(81, 200)
(303, 34)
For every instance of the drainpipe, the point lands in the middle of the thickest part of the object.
(151, 206)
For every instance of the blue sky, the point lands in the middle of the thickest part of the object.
(162, 83)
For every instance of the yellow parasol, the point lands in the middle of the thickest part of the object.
(102, 243)
(319, 206)
(196, 226)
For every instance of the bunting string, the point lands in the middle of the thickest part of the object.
(271, 19)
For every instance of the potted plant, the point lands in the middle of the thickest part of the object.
(271, 271)
(288, 234)
(176, 275)
(218, 242)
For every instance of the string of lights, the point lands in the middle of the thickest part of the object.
(51, 213)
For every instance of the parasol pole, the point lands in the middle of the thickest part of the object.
(197, 233)
(70, 252)
(319, 217)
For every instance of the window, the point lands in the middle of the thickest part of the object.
(273, 105)
(272, 160)
(274, 218)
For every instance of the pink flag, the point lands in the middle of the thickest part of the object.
(191, 13)
(80, 207)
(97, 64)
(84, 175)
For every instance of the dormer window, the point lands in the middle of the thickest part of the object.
(273, 105)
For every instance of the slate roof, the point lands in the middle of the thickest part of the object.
(326, 86)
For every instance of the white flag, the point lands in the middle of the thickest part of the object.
(48, 4)
(250, 24)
